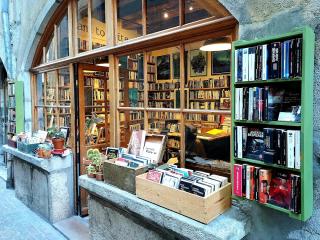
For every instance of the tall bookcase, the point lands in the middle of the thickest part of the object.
(305, 125)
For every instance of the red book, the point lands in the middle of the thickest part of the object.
(264, 182)
(155, 176)
(252, 183)
(237, 180)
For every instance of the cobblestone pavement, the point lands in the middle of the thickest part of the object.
(18, 222)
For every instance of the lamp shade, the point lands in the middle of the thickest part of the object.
(218, 44)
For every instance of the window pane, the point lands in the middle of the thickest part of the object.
(167, 123)
(98, 25)
(130, 121)
(63, 40)
(83, 30)
(96, 107)
(131, 90)
(129, 19)
(64, 98)
(164, 78)
(196, 10)
(162, 14)
(40, 101)
(207, 78)
(207, 142)
(50, 50)
(51, 100)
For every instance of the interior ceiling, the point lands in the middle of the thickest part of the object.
(130, 10)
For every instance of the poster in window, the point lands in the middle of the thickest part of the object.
(220, 61)
(163, 67)
(198, 63)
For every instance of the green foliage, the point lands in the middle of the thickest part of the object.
(54, 132)
(91, 169)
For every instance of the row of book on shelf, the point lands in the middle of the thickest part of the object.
(282, 59)
(268, 103)
(221, 82)
(267, 186)
(269, 145)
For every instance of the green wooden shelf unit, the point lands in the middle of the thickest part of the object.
(305, 126)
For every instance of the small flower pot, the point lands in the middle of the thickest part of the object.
(58, 143)
(99, 176)
(91, 175)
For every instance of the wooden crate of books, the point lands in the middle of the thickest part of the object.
(121, 176)
(202, 209)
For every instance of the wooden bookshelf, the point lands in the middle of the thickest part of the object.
(305, 83)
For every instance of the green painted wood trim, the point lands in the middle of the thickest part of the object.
(307, 114)
(19, 95)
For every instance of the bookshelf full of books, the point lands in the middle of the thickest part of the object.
(57, 99)
(11, 125)
(272, 122)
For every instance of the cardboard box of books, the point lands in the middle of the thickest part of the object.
(123, 165)
(197, 195)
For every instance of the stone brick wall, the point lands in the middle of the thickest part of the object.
(257, 18)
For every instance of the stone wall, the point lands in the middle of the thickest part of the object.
(257, 18)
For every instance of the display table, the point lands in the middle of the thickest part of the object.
(116, 214)
(44, 185)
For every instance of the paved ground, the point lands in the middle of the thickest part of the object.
(18, 222)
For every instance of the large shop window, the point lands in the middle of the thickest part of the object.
(129, 22)
(161, 15)
(83, 29)
(151, 84)
(53, 99)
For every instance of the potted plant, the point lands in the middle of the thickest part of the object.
(44, 151)
(91, 171)
(97, 161)
(57, 138)
(91, 154)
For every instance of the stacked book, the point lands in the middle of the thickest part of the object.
(269, 61)
(270, 145)
(199, 183)
(268, 103)
(267, 186)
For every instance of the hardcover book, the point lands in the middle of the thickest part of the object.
(264, 185)
(237, 180)
(255, 144)
(280, 190)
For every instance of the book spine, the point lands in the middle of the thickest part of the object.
(241, 103)
(245, 62)
(256, 184)
(239, 74)
(245, 103)
(244, 140)
(248, 182)
(278, 146)
(298, 72)
(237, 105)
(284, 148)
(264, 62)
(252, 183)
(290, 148)
(237, 185)
(292, 58)
(287, 60)
(239, 139)
(266, 103)
(244, 179)
(252, 52)
(256, 63)
(250, 107)
(235, 140)
(297, 157)
(236, 66)
(260, 104)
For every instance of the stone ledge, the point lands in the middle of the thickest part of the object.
(50, 165)
(233, 224)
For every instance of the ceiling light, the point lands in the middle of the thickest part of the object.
(165, 15)
(218, 44)
(190, 8)
(105, 64)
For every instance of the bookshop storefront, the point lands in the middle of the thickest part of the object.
(233, 118)
(117, 76)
